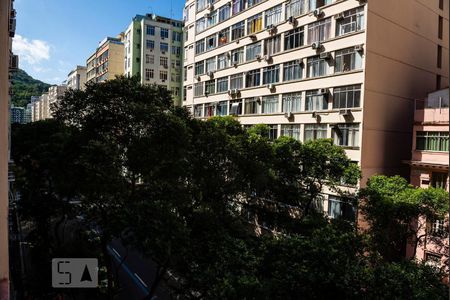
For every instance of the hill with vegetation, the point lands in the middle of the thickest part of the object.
(24, 86)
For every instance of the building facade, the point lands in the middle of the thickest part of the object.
(17, 115)
(107, 60)
(8, 63)
(153, 52)
(429, 167)
(76, 79)
(41, 108)
(348, 70)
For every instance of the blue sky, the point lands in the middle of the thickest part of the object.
(53, 36)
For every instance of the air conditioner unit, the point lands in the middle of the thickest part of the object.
(325, 55)
(267, 57)
(207, 15)
(316, 45)
(291, 20)
(258, 56)
(359, 48)
(199, 78)
(210, 74)
(252, 36)
(339, 16)
(288, 115)
(270, 86)
(271, 29)
(163, 52)
(345, 112)
(322, 91)
(317, 12)
(13, 62)
(300, 62)
(233, 92)
(235, 64)
(210, 6)
(314, 114)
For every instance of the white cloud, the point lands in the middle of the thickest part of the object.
(31, 51)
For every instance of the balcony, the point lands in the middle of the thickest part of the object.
(432, 111)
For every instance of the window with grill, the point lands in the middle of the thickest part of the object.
(224, 36)
(347, 96)
(198, 89)
(237, 56)
(315, 101)
(293, 38)
(254, 24)
(319, 31)
(150, 30)
(149, 59)
(346, 135)
(164, 61)
(272, 45)
(347, 60)
(164, 47)
(253, 78)
(292, 102)
(200, 67)
(150, 44)
(269, 104)
(340, 208)
(149, 73)
(222, 61)
(163, 75)
(273, 132)
(292, 70)
(273, 16)
(236, 81)
(439, 180)
(210, 87)
(200, 47)
(351, 21)
(222, 84)
(210, 64)
(164, 33)
(315, 131)
(437, 228)
(432, 141)
(252, 50)
(251, 106)
(313, 4)
(235, 107)
(296, 8)
(291, 130)
(237, 30)
(271, 74)
(316, 66)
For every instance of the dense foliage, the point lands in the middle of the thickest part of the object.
(24, 86)
(191, 196)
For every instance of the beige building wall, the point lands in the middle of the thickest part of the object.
(76, 79)
(107, 61)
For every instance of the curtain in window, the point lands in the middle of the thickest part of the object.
(292, 102)
(270, 105)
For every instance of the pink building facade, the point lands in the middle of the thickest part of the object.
(429, 168)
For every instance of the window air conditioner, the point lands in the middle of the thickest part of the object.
(267, 57)
(13, 62)
(258, 56)
(317, 12)
(359, 48)
(339, 16)
(322, 91)
(325, 55)
(210, 6)
(199, 78)
(252, 36)
(291, 20)
(316, 45)
(233, 92)
(210, 74)
(288, 115)
(345, 112)
(270, 86)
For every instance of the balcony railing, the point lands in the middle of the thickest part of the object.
(432, 110)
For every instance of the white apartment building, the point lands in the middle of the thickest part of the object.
(42, 107)
(153, 52)
(348, 70)
(76, 79)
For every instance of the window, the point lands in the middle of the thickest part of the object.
(432, 140)
(292, 102)
(313, 4)
(253, 78)
(352, 21)
(211, 20)
(222, 61)
(346, 135)
(237, 56)
(315, 101)
(237, 30)
(150, 30)
(224, 36)
(319, 31)
(293, 38)
(163, 61)
(236, 107)
(269, 104)
(273, 132)
(224, 12)
(164, 47)
(254, 23)
(211, 42)
(441, 4)
(210, 87)
(209, 110)
(150, 44)
(347, 96)
(433, 260)
(200, 47)
(292, 70)
(271, 74)
(198, 89)
(149, 59)
(199, 67)
(238, 6)
(250, 3)
(252, 50)
(200, 25)
(436, 228)
(236, 81)
(315, 131)
(149, 73)
(251, 106)
(198, 110)
(347, 60)
(272, 45)
(316, 66)
(222, 84)
(273, 16)
(340, 208)
(163, 75)
(164, 33)
(439, 180)
(176, 36)
(439, 56)
(221, 108)
(292, 131)
(201, 4)
(296, 8)
(210, 64)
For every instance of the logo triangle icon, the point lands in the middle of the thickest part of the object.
(86, 275)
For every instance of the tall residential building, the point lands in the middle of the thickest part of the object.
(8, 62)
(77, 78)
(42, 106)
(17, 115)
(348, 70)
(107, 60)
(429, 167)
(153, 52)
